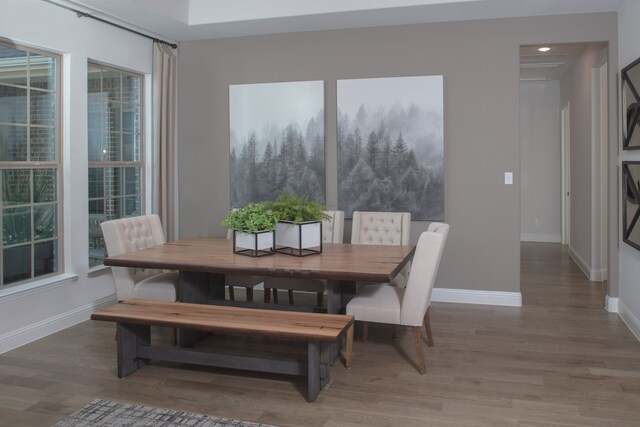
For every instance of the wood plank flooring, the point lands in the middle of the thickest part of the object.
(560, 360)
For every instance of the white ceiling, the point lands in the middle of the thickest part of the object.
(181, 20)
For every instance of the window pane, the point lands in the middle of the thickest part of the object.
(130, 118)
(132, 181)
(16, 187)
(113, 182)
(45, 260)
(131, 89)
(44, 185)
(96, 241)
(113, 117)
(96, 208)
(111, 84)
(113, 208)
(43, 108)
(13, 143)
(96, 148)
(95, 111)
(43, 144)
(43, 71)
(114, 150)
(96, 183)
(13, 66)
(16, 225)
(94, 85)
(45, 222)
(130, 147)
(13, 104)
(132, 206)
(16, 264)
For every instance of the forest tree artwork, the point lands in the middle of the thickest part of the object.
(276, 141)
(390, 146)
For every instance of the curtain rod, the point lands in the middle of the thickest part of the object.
(82, 14)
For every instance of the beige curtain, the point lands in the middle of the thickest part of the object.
(164, 140)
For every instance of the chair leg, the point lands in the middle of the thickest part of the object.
(249, 294)
(231, 293)
(427, 328)
(418, 340)
(275, 296)
(365, 331)
(290, 296)
(320, 299)
(348, 349)
(267, 295)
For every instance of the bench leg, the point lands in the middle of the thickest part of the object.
(348, 349)
(129, 336)
(313, 380)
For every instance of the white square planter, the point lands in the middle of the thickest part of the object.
(254, 244)
(299, 239)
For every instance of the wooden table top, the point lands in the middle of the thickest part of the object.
(338, 261)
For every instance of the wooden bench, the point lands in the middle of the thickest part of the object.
(135, 317)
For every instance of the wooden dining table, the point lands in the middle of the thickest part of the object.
(204, 262)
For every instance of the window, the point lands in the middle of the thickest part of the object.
(115, 147)
(29, 164)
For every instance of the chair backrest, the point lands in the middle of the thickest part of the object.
(131, 234)
(381, 228)
(333, 228)
(424, 269)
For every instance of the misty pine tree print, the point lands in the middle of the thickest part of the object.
(390, 146)
(276, 141)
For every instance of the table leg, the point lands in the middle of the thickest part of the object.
(197, 288)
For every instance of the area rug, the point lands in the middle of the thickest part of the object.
(103, 413)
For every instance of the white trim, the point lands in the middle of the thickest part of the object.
(34, 287)
(632, 322)
(611, 304)
(548, 238)
(38, 330)
(592, 275)
(469, 296)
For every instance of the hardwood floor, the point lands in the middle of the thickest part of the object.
(560, 360)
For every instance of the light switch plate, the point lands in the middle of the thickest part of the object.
(508, 178)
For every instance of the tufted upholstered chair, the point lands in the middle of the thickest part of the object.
(383, 303)
(332, 232)
(383, 228)
(131, 234)
(247, 282)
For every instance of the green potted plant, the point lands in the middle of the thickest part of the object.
(253, 229)
(299, 229)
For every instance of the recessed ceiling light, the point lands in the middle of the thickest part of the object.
(544, 49)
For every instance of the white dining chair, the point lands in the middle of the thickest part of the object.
(131, 234)
(383, 228)
(409, 306)
(332, 232)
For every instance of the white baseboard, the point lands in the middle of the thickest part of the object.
(592, 274)
(41, 329)
(611, 304)
(545, 238)
(632, 322)
(469, 296)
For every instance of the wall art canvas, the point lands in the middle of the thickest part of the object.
(390, 146)
(276, 141)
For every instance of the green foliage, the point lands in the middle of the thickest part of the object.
(297, 209)
(252, 218)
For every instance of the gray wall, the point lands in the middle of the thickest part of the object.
(479, 61)
(540, 161)
(629, 261)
